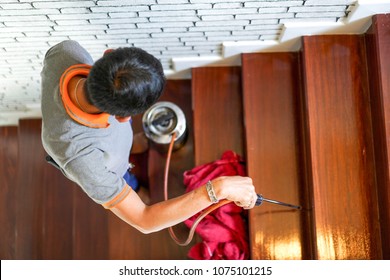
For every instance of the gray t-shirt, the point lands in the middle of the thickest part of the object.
(94, 158)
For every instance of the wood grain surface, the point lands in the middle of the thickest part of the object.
(340, 148)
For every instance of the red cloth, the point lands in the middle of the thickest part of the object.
(223, 231)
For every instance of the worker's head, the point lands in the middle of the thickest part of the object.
(125, 82)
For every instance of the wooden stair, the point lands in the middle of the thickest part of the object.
(316, 134)
(314, 129)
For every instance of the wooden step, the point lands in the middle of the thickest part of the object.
(340, 157)
(40, 202)
(378, 57)
(217, 107)
(8, 173)
(271, 92)
(54, 218)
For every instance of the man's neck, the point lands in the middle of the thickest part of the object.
(77, 95)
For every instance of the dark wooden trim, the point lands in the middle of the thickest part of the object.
(8, 175)
(378, 57)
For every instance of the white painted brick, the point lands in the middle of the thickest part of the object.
(123, 9)
(17, 18)
(259, 4)
(227, 11)
(172, 1)
(62, 4)
(140, 43)
(216, 28)
(317, 9)
(76, 32)
(217, 17)
(320, 15)
(178, 35)
(329, 2)
(133, 31)
(287, 20)
(207, 43)
(257, 27)
(24, 23)
(80, 28)
(193, 39)
(269, 37)
(126, 36)
(273, 16)
(179, 18)
(165, 24)
(72, 22)
(171, 41)
(88, 16)
(74, 11)
(126, 2)
(28, 28)
(29, 40)
(181, 48)
(5, 34)
(31, 48)
(213, 1)
(7, 40)
(235, 38)
(83, 38)
(28, 12)
(37, 34)
(175, 29)
(167, 13)
(222, 23)
(12, 6)
(233, 5)
(262, 32)
(122, 26)
(180, 7)
(257, 16)
(276, 10)
(218, 33)
(114, 20)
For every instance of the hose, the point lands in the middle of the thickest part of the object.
(207, 211)
(211, 208)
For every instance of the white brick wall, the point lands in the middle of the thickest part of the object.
(165, 28)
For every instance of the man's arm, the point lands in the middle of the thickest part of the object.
(148, 219)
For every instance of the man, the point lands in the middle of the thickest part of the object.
(86, 109)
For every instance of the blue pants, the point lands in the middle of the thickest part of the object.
(131, 180)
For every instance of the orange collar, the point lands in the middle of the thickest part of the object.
(90, 120)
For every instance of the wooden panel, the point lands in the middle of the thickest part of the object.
(90, 226)
(378, 56)
(340, 149)
(8, 172)
(271, 91)
(128, 243)
(217, 106)
(44, 210)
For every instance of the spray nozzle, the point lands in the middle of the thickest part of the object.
(261, 199)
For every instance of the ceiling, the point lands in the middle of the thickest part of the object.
(181, 33)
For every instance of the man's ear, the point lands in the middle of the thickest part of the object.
(123, 119)
(107, 51)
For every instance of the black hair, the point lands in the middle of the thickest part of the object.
(125, 82)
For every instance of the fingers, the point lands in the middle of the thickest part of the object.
(241, 191)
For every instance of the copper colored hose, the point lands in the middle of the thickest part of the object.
(200, 217)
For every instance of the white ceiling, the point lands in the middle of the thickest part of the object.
(181, 33)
